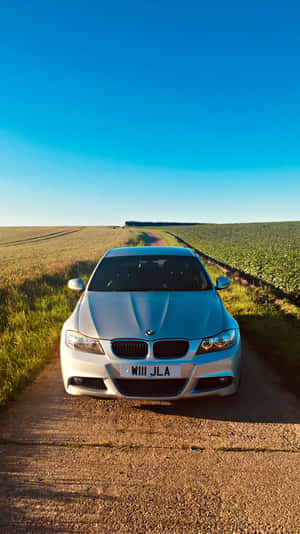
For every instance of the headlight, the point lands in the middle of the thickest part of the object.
(222, 341)
(77, 341)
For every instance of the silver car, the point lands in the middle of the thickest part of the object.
(150, 324)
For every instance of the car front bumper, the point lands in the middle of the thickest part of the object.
(215, 373)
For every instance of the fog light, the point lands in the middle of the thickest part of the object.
(209, 383)
(225, 380)
(77, 381)
(87, 382)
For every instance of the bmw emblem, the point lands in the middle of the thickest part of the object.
(149, 332)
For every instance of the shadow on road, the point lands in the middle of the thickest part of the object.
(261, 399)
(241, 408)
(152, 239)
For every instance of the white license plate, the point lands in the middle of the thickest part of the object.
(150, 371)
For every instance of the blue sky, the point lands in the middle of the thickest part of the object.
(151, 110)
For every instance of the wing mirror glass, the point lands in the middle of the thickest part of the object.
(76, 284)
(222, 282)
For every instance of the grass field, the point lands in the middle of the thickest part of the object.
(274, 335)
(28, 252)
(267, 251)
(35, 265)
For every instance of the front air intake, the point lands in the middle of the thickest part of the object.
(150, 387)
(87, 382)
(210, 383)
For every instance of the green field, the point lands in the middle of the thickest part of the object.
(271, 325)
(35, 265)
(268, 251)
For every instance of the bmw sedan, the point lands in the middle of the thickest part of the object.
(150, 324)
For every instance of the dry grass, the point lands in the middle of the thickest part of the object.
(28, 252)
(34, 300)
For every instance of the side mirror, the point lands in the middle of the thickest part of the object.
(76, 284)
(222, 282)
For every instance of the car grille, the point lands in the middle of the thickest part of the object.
(130, 348)
(175, 348)
(150, 388)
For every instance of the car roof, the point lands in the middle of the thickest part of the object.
(150, 251)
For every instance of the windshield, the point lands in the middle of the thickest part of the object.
(150, 273)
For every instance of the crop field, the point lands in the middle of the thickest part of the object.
(268, 251)
(271, 328)
(28, 252)
(35, 265)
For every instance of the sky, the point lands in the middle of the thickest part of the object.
(149, 110)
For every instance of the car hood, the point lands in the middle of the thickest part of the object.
(176, 314)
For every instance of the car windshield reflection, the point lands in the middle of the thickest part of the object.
(150, 273)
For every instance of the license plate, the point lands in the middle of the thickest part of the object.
(150, 371)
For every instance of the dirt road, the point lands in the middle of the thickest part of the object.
(126, 466)
(153, 239)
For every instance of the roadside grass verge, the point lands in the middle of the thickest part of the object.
(32, 313)
(260, 252)
(263, 323)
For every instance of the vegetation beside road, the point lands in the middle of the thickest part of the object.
(30, 252)
(269, 252)
(34, 299)
(274, 335)
(35, 265)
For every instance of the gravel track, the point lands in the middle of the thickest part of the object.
(89, 465)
